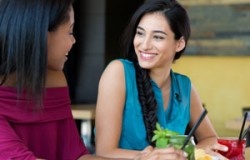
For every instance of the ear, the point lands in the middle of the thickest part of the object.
(180, 44)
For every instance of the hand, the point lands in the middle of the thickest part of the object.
(213, 150)
(149, 153)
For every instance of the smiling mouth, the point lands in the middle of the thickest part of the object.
(147, 56)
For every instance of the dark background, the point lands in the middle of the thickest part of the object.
(98, 28)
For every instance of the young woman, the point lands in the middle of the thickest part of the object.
(136, 92)
(35, 115)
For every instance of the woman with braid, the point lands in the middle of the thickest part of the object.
(136, 92)
(36, 122)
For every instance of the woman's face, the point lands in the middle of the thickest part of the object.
(60, 42)
(154, 42)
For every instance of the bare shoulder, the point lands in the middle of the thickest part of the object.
(194, 93)
(114, 69)
(196, 103)
(115, 66)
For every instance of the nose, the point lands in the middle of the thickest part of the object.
(73, 40)
(146, 43)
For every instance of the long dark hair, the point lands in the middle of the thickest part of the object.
(24, 25)
(178, 20)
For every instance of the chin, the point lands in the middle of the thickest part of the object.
(56, 68)
(145, 64)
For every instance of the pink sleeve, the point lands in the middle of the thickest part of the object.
(11, 146)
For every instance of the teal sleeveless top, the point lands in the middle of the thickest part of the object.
(175, 118)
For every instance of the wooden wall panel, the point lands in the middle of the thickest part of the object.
(222, 28)
(212, 2)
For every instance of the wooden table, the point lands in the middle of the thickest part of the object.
(247, 153)
(84, 115)
(83, 111)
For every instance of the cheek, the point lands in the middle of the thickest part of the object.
(136, 43)
(136, 40)
(69, 44)
(165, 47)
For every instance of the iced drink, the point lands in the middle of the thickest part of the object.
(177, 141)
(236, 148)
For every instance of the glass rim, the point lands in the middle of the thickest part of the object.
(230, 138)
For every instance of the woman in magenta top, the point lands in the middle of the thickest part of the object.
(35, 115)
(49, 133)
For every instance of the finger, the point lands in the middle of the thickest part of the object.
(169, 154)
(160, 156)
(165, 150)
(144, 153)
(182, 153)
(147, 150)
(219, 156)
(153, 157)
(219, 147)
(216, 154)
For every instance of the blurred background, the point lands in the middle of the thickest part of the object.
(217, 59)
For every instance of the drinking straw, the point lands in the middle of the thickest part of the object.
(245, 132)
(194, 128)
(243, 125)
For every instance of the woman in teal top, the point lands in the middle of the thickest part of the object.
(136, 93)
(175, 118)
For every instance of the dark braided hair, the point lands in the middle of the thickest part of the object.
(147, 100)
(178, 20)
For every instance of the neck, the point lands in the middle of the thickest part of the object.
(161, 77)
(55, 79)
(10, 80)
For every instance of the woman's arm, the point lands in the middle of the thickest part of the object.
(109, 112)
(11, 146)
(92, 157)
(146, 154)
(205, 133)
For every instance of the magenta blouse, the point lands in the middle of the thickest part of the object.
(49, 133)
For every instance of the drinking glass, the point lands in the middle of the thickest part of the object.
(236, 148)
(177, 142)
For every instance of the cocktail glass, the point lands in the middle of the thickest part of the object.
(236, 148)
(177, 142)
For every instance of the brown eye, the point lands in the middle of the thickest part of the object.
(139, 33)
(158, 37)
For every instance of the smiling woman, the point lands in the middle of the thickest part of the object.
(60, 42)
(36, 121)
(147, 90)
(35, 114)
(155, 44)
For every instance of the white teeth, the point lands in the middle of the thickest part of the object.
(147, 55)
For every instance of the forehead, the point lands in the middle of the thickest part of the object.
(154, 21)
(71, 18)
(71, 14)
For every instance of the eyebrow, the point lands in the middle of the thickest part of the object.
(155, 31)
